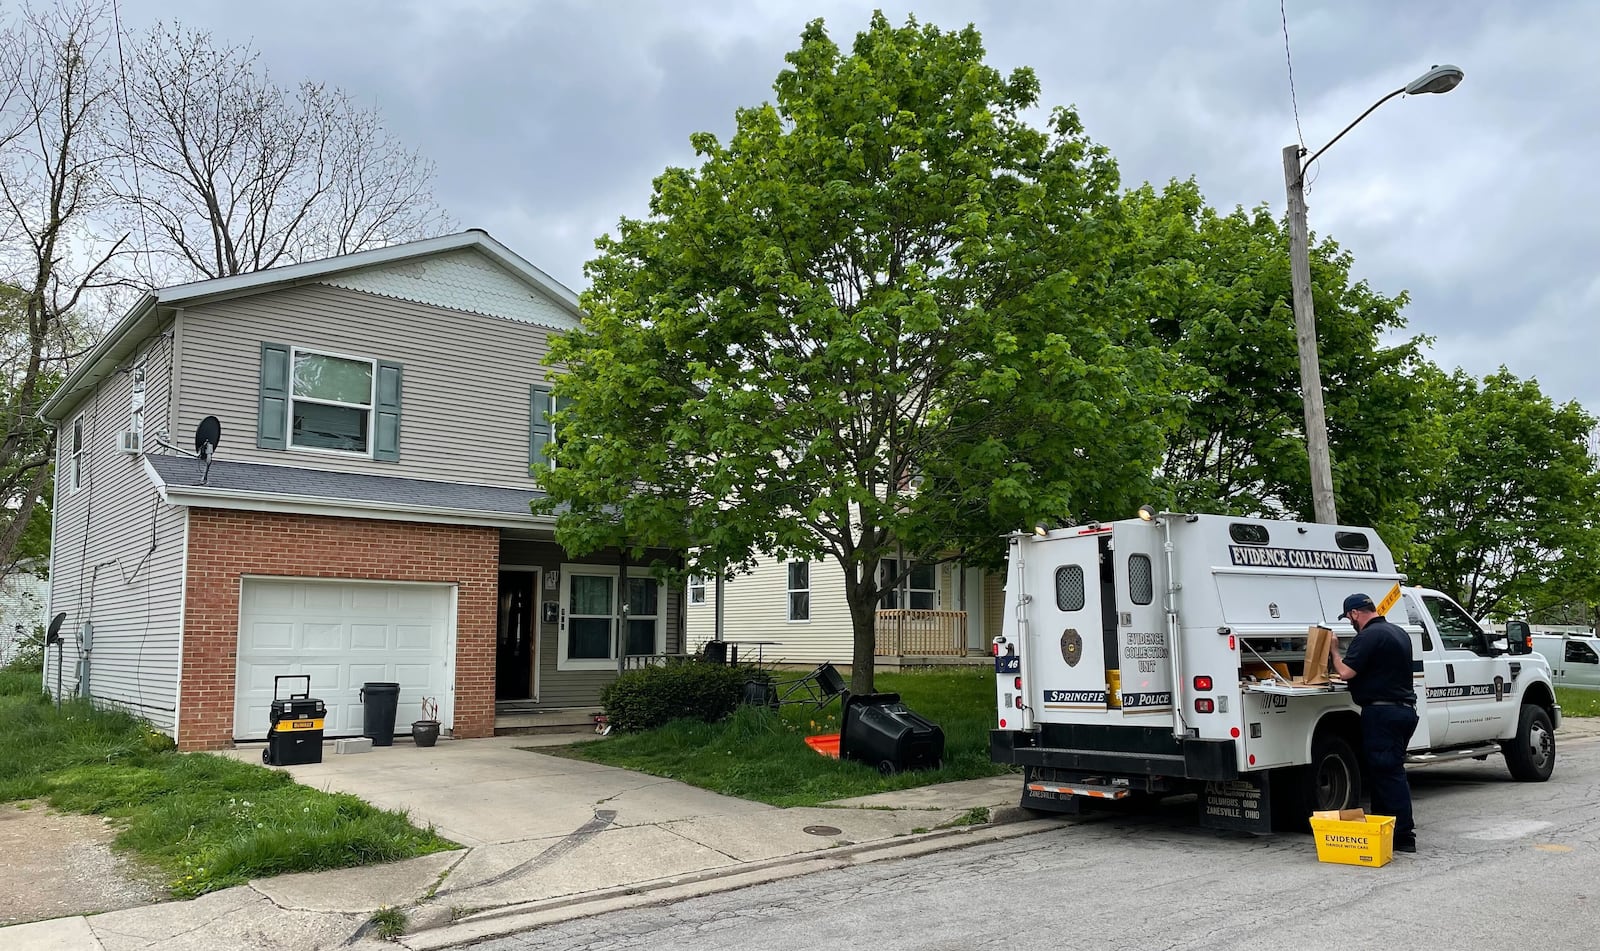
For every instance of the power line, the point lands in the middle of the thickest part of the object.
(1289, 59)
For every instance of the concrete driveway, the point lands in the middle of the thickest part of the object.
(541, 827)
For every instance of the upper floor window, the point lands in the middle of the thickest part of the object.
(542, 409)
(920, 588)
(799, 591)
(697, 589)
(328, 402)
(332, 402)
(76, 462)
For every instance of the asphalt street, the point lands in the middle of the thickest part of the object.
(1502, 864)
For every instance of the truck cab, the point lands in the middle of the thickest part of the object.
(1574, 658)
(1175, 653)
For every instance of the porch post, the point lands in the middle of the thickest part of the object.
(622, 608)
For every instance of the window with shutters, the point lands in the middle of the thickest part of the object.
(328, 402)
(542, 409)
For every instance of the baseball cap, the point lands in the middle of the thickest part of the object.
(1357, 602)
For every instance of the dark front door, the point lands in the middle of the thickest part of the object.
(513, 665)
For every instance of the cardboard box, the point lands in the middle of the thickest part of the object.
(1341, 815)
(1318, 640)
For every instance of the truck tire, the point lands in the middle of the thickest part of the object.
(1333, 780)
(1531, 757)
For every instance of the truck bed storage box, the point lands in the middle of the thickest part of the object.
(878, 730)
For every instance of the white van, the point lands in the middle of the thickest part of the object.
(1574, 658)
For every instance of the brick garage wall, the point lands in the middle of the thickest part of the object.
(226, 545)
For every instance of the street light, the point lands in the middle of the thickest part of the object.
(1439, 79)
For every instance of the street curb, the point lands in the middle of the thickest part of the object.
(510, 919)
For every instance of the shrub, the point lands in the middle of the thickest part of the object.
(652, 696)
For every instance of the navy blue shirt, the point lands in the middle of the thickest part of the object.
(1381, 657)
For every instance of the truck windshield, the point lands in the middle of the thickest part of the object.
(1457, 630)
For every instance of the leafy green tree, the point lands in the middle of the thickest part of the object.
(882, 317)
(1220, 298)
(1513, 524)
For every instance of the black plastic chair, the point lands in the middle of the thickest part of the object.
(817, 688)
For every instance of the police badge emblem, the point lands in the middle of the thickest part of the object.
(1071, 647)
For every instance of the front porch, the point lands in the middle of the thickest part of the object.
(922, 634)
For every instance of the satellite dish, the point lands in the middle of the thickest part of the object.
(207, 436)
(54, 634)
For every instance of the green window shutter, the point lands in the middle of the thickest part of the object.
(386, 413)
(272, 410)
(538, 426)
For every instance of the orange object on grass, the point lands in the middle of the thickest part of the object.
(827, 744)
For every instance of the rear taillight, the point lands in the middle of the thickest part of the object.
(1202, 683)
(1204, 705)
(1019, 683)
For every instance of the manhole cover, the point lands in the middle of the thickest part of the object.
(820, 830)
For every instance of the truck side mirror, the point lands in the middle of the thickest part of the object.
(1519, 637)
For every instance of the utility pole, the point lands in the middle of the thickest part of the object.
(1305, 333)
(1439, 79)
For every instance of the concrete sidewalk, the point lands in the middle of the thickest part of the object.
(546, 839)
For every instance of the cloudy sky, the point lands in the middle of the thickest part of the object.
(548, 120)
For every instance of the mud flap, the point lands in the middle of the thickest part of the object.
(1242, 805)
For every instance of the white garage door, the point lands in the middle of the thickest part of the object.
(343, 634)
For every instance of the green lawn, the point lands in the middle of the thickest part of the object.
(760, 755)
(1578, 703)
(207, 821)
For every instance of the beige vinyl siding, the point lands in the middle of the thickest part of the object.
(758, 609)
(117, 552)
(576, 688)
(994, 599)
(464, 399)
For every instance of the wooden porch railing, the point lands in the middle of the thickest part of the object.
(906, 632)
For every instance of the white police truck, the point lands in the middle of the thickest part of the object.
(1166, 654)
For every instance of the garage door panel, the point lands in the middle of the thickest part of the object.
(371, 599)
(322, 636)
(327, 598)
(266, 636)
(342, 634)
(368, 673)
(418, 604)
(413, 637)
(369, 637)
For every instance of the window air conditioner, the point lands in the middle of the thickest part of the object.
(130, 441)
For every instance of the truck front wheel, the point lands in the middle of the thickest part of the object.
(1531, 757)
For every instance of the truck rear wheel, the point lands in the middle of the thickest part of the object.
(1531, 757)
(1333, 780)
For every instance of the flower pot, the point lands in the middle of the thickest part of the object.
(425, 732)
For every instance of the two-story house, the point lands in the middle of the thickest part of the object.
(363, 517)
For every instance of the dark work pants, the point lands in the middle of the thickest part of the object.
(1385, 731)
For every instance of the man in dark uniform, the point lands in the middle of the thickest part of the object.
(1378, 669)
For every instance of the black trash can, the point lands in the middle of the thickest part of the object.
(378, 705)
(878, 730)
